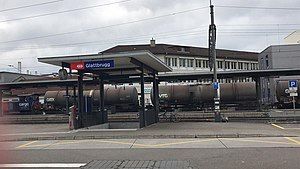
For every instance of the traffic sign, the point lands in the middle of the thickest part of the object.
(293, 83)
(294, 94)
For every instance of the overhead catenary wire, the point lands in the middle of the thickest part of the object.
(222, 32)
(108, 26)
(257, 7)
(61, 12)
(134, 39)
(29, 6)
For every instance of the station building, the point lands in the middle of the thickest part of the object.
(277, 57)
(188, 59)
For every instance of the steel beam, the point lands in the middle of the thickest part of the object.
(141, 65)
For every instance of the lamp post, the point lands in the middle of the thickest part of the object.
(17, 68)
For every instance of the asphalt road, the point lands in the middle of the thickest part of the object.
(267, 152)
(267, 158)
(281, 150)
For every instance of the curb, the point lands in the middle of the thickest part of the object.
(141, 137)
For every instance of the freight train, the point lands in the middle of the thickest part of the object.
(126, 98)
(119, 99)
(241, 95)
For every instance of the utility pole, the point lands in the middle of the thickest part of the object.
(213, 64)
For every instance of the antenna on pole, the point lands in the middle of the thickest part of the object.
(213, 63)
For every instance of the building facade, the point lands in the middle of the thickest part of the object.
(277, 57)
(187, 59)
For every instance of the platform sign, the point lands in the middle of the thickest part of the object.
(99, 64)
(216, 85)
(92, 65)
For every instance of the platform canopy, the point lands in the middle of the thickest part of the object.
(111, 64)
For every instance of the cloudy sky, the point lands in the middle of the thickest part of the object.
(39, 28)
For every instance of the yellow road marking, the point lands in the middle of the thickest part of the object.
(25, 145)
(275, 125)
(293, 140)
(50, 144)
(113, 142)
(28, 145)
(257, 141)
(74, 142)
(174, 143)
(292, 128)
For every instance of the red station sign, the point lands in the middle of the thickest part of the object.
(77, 66)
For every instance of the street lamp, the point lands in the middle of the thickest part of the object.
(12, 66)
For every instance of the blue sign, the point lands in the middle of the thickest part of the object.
(216, 85)
(293, 83)
(99, 64)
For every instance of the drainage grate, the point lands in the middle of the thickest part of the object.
(138, 164)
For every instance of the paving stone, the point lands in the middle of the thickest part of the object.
(138, 164)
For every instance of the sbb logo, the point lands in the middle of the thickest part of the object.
(77, 65)
(80, 66)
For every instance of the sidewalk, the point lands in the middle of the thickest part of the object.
(160, 130)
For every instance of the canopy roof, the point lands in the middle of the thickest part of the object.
(124, 62)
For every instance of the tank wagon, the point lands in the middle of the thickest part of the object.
(242, 95)
(115, 98)
(283, 97)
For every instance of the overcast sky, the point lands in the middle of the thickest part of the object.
(183, 22)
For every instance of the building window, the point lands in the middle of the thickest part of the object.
(240, 65)
(182, 62)
(227, 65)
(205, 64)
(252, 66)
(174, 62)
(233, 65)
(190, 62)
(219, 64)
(267, 61)
(198, 63)
(168, 61)
(246, 66)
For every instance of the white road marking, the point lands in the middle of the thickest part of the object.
(43, 133)
(92, 130)
(43, 165)
(275, 125)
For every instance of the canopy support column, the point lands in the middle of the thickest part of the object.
(142, 111)
(258, 93)
(80, 100)
(155, 97)
(1, 108)
(104, 118)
